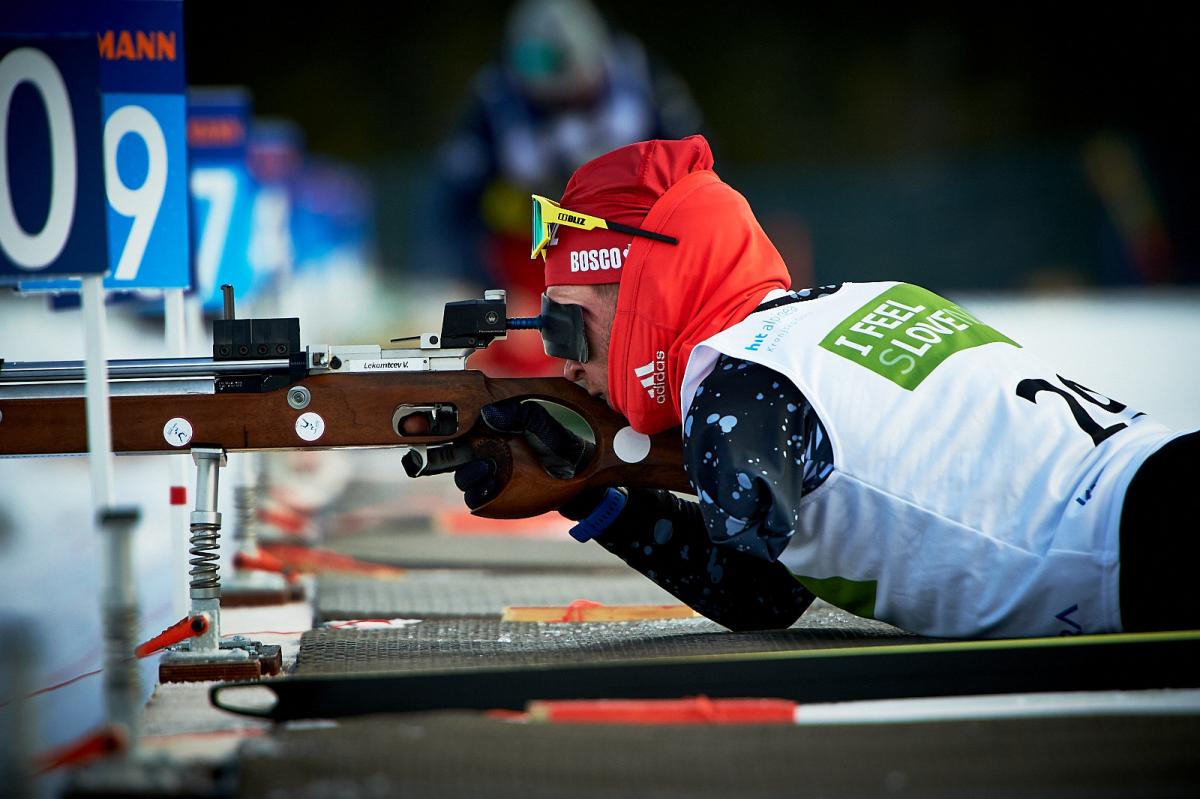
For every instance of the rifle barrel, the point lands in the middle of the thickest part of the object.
(131, 369)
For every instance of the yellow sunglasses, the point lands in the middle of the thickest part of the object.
(548, 215)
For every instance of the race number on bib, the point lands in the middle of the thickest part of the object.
(907, 332)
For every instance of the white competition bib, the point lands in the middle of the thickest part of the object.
(975, 491)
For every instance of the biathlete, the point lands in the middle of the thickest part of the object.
(874, 444)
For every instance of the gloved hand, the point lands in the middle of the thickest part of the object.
(561, 452)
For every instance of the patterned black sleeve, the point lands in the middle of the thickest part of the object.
(664, 538)
(753, 446)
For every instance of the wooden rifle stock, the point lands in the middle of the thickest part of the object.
(358, 410)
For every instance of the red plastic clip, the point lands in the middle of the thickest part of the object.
(264, 562)
(285, 520)
(313, 560)
(181, 630)
(91, 747)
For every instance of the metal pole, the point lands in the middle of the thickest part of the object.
(119, 613)
(122, 685)
(17, 727)
(175, 323)
(176, 334)
(118, 596)
(198, 338)
(96, 393)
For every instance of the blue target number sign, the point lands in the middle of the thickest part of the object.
(222, 193)
(146, 183)
(52, 206)
(137, 58)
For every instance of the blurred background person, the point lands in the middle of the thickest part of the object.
(565, 89)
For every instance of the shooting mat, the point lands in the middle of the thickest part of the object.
(469, 642)
(442, 594)
(466, 754)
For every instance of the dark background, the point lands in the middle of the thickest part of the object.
(935, 143)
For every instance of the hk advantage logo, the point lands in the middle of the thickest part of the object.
(654, 377)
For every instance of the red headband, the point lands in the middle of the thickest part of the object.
(621, 186)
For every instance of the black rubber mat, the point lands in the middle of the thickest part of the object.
(463, 754)
(441, 594)
(467, 643)
(1118, 662)
(434, 550)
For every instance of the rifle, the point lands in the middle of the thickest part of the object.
(261, 390)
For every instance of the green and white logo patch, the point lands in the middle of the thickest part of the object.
(907, 332)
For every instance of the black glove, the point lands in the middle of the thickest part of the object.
(561, 452)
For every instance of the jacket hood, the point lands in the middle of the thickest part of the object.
(620, 186)
(673, 297)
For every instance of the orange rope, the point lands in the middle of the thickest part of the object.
(50, 688)
(575, 610)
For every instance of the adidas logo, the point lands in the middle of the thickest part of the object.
(653, 377)
(647, 379)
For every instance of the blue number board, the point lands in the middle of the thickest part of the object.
(138, 53)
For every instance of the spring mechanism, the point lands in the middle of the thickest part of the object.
(245, 503)
(205, 543)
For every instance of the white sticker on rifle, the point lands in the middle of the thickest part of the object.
(310, 426)
(630, 445)
(178, 432)
(389, 365)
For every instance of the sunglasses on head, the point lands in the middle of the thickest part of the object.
(548, 215)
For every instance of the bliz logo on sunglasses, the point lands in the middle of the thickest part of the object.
(596, 260)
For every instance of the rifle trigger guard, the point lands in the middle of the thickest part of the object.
(442, 418)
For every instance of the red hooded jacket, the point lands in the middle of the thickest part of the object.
(672, 297)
